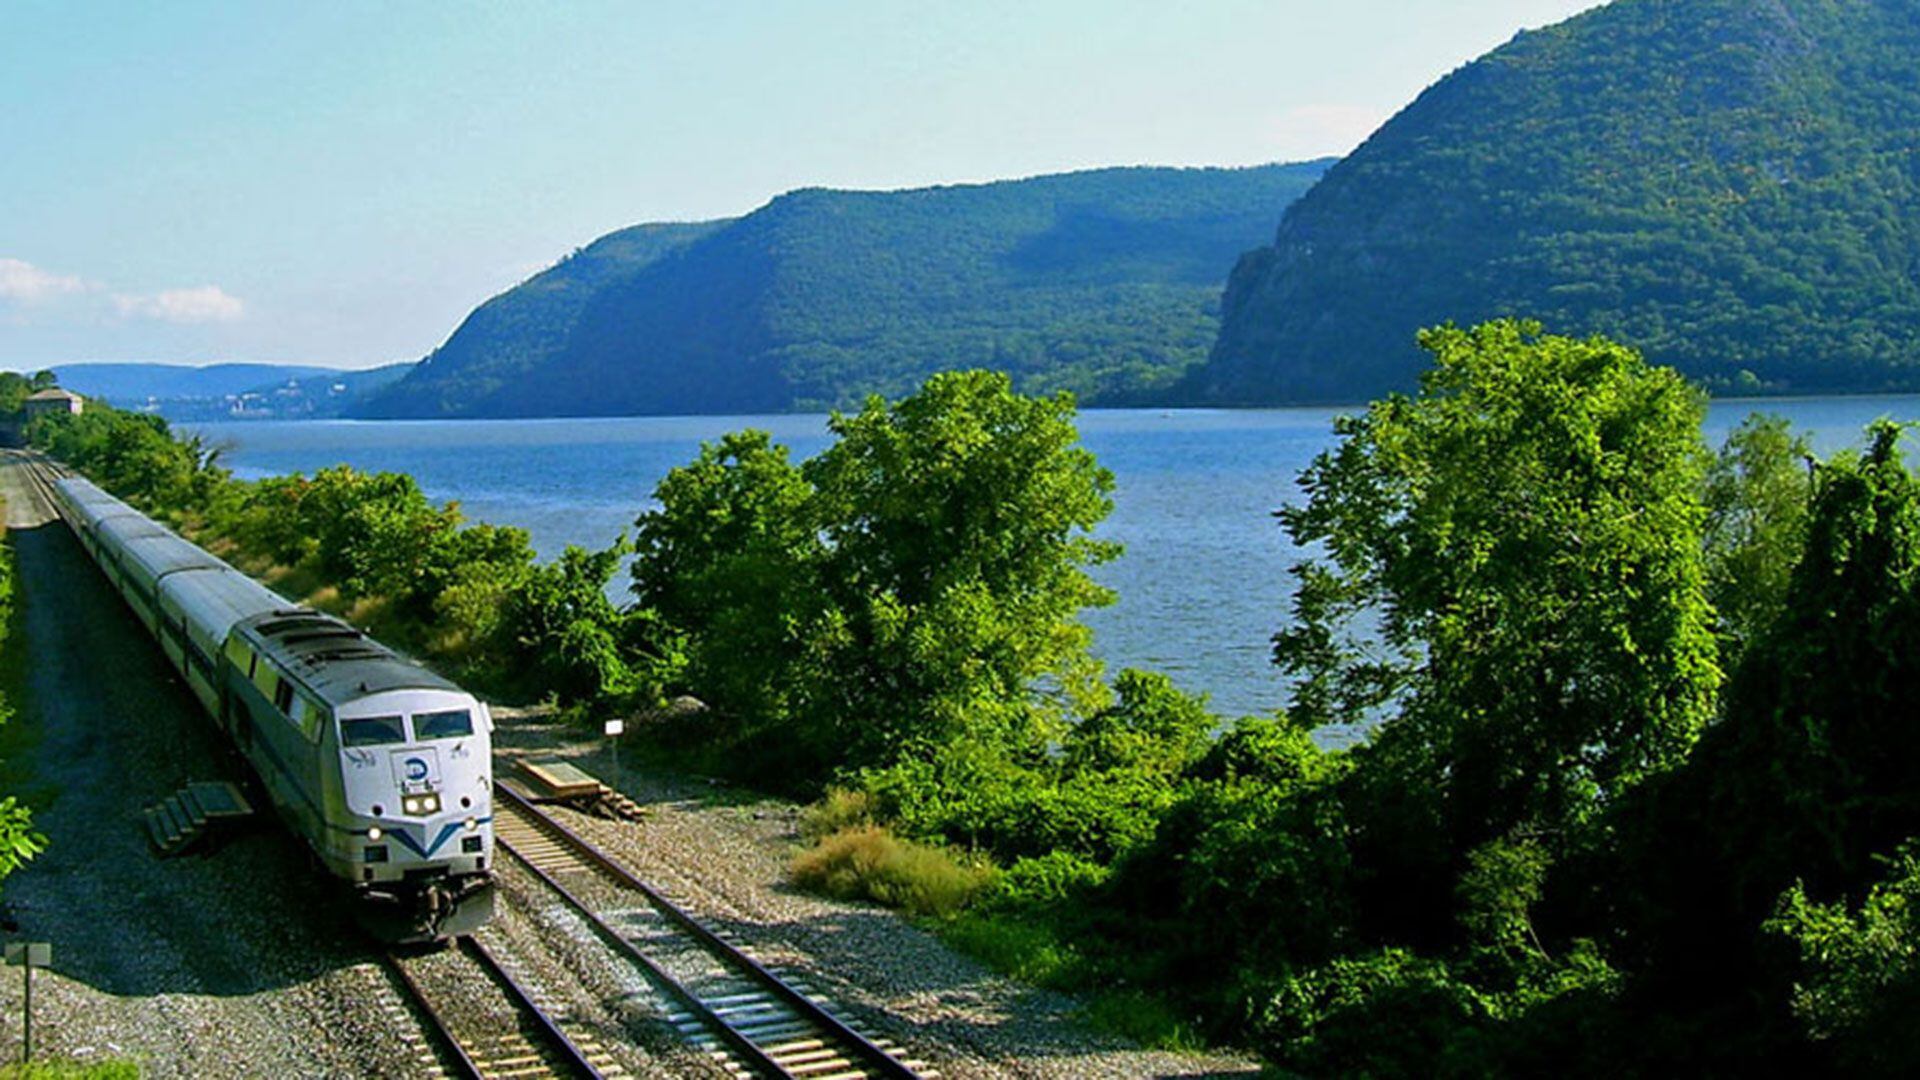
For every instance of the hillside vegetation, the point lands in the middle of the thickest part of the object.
(1727, 185)
(1106, 283)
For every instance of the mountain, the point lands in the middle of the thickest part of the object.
(134, 385)
(1106, 282)
(228, 391)
(1731, 185)
(324, 396)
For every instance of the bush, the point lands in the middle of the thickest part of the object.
(1055, 878)
(869, 863)
(840, 809)
(1389, 1013)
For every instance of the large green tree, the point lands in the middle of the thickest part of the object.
(917, 583)
(1510, 565)
(730, 559)
(958, 522)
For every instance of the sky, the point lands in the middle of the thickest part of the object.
(340, 183)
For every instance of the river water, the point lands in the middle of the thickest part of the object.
(1203, 583)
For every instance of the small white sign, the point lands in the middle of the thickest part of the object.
(616, 728)
(38, 953)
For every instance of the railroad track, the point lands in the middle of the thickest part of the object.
(752, 1021)
(39, 471)
(489, 1023)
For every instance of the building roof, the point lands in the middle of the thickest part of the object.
(54, 393)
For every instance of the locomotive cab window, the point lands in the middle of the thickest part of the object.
(372, 731)
(307, 715)
(443, 725)
(283, 697)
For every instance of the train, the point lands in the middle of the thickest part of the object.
(380, 766)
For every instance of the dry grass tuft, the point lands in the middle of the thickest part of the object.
(867, 862)
(839, 810)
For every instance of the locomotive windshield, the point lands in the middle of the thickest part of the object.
(442, 725)
(372, 731)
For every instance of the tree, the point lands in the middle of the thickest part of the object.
(958, 526)
(917, 583)
(1861, 969)
(1757, 494)
(570, 640)
(730, 558)
(1512, 567)
(1812, 776)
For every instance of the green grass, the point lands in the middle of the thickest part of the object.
(1022, 949)
(1142, 1017)
(72, 1070)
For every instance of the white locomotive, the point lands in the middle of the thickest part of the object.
(381, 766)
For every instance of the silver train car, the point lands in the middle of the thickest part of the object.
(379, 765)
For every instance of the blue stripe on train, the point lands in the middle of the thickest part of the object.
(404, 834)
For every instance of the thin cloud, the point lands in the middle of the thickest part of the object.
(24, 282)
(204, 304)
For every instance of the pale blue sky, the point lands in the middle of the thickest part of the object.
(340, 182)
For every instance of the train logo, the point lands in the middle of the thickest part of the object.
(416, 769)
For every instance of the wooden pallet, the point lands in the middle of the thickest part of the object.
(556, 781)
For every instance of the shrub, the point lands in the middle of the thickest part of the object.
(1054, 878)
(869, 863)
(840, 809)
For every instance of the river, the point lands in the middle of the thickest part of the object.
(1203, 583)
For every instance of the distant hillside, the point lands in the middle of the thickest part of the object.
(1733, 186)
(136, 384)
(228, 391)
(1105, 282)
(323, 396)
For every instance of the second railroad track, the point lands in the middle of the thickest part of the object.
(752, 1021)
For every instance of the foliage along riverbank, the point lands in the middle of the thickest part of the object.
(1638, 800)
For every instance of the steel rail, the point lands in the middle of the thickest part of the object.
(868, 1054)
(437, 1027)
(570, 1051)
(566, 1055)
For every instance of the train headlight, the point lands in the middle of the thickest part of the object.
(374, 833)
(473, 823)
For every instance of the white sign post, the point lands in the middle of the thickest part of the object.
(615, 729)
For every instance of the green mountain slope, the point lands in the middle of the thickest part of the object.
(1106, 282)
(510, 336)
(1731, 185)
